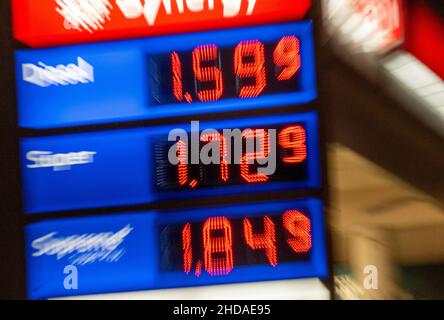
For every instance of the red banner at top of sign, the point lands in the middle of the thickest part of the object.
(41, 23)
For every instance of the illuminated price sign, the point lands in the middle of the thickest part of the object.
(154, 250)
(193, 248)
(204, 75)
(41, 23)
(133, 166)
(367, 25)
(163, 77)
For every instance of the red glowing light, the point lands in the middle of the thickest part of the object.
(193, 183)
(255, 69)
(224, 175)
(198, 271)
(298, 225)
(266, 240)
(188, 97)
(182, 168)
(262, 136)
(385, 18)
(287, 56)
(177, 76)
(187, 248)
(37, 23)
(294, 138)
(249, 68)
(291, 148)
(218, 234)
(213, 74)
(221, 245)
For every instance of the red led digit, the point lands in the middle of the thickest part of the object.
(263, 151)
(224, 175)
(266, 240)
(294, 138)
(201, 55)
(287, 55)
(218, 249)
(177, 76)
(298, 225)
(198, 271)
(187, 248)
(255, 69)
(182, 167)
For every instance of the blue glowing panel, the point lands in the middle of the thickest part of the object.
(154, 250)
(131, 166)
(204, 72)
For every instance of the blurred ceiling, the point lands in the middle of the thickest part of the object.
(363, 195)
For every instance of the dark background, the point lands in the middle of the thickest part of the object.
(12, 267)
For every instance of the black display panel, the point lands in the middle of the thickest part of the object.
(212, 73)
(237, 168)
(218, 245)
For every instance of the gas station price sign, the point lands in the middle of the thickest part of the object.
(163, 77)
(268, 240)
(208, 72)
(132, 166)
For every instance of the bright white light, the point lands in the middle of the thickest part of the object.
(417, 77)
(89, 15)
(418, 86)
(301, 289)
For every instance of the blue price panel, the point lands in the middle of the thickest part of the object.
(131, 166)
(154, 250)
(205, 72)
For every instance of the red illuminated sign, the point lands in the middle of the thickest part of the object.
(211, 73)
(40, 23)
(219, 245)
(385, 19)
(425, 35)
(368, 25)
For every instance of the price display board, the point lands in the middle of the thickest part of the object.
(131, 166)
(102, 139)
(153, 250)
(208, 72)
